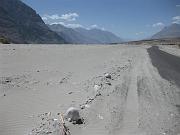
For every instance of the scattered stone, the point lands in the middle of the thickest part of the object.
(49, 114)
(107, 75)
(172, 114)
(61, 81)
(87, 102)
(48, 125)
(55, 119)
(80, 121)
(98, 94)
(4, 95)
(69, 119)
(91, 99)
(38, 71)
(100, 117)
(108, 83)
(48, 132)
(87, 106)
(97, 87)
(7, 81)
(70, 93)
(64, 80)
(82, 107)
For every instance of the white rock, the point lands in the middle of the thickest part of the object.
(97, 87)
(87, 106)
(100, 117)
(55, 119)
(55, 123)
(107, 75)
(69, 119)
(49, 114)
(72, 114)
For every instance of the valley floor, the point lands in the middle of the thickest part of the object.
(141, 98)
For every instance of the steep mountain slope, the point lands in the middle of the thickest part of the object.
(84, 36)
(21, 24)
(172, 31)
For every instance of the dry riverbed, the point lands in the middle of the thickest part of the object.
(40, 82)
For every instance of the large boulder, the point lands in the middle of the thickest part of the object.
(72, 114)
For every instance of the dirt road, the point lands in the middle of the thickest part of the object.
(167, 64)
(141, 98)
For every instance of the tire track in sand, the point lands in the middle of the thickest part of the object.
(131, 116)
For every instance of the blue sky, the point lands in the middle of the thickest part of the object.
(129, 19)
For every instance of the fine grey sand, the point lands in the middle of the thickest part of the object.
(139, 99)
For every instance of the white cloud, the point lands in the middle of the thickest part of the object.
(64, 17)
(103, 29)
(70, 25)
(44, 18)
(53, 17)
(75, 25)
(69, 16)
(94, 26)
(62, 23)
(177, 5)
(139, 33)
(159, 24)
(176, 19)
(66, 20)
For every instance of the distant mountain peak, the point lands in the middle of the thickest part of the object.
(175, 24)
(171, 31)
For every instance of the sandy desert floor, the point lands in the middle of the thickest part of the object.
(141, 98)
